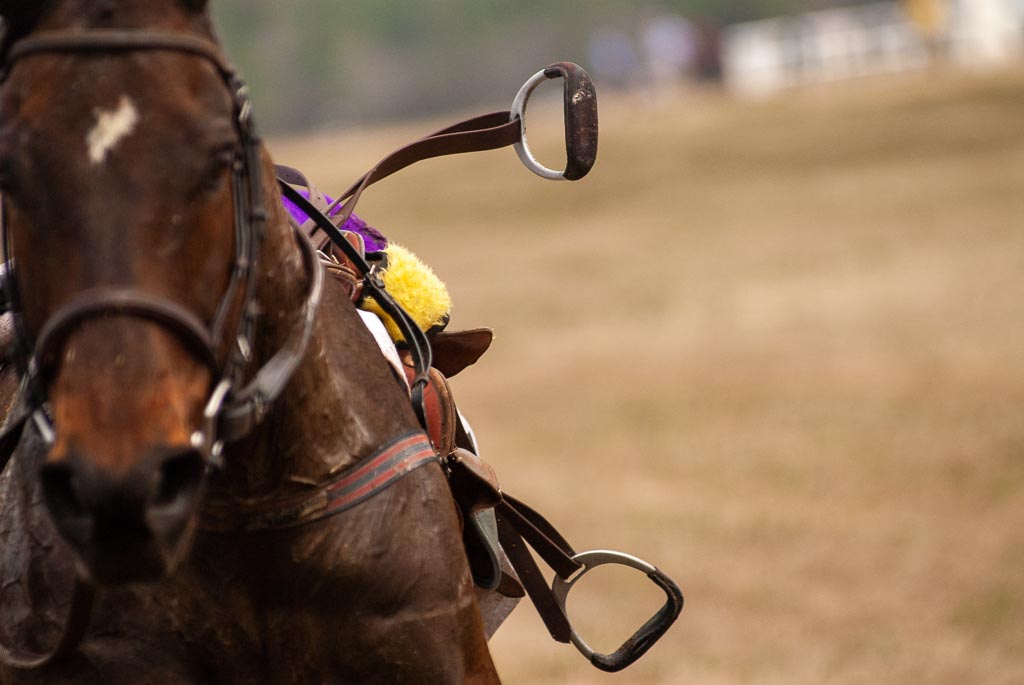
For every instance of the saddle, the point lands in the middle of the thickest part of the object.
(474, 483)
(474, 486)
(495, 524)
(498, 530)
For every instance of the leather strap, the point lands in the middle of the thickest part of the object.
(373, 285)
(487, 132)
(293, 176)
(542, 536)
(249, 405)
(533, 582)
(519, 525)
(349, 489)
(99, 302)
(112, 40)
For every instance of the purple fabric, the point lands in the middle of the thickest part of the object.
(375, 241)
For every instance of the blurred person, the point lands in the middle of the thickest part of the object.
(613, 58)
(708, 61)
(670, 45)
(931, 19)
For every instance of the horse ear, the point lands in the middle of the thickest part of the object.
(196, 5)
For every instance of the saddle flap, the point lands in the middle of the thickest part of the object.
(474, 486)
(456, 350)
(474, 483)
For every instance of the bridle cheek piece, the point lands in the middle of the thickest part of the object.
(233, 407)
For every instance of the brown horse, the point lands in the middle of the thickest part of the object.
(121, 170)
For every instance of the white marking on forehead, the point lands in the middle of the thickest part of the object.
(111, 128)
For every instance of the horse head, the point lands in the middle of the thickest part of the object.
(120, 172)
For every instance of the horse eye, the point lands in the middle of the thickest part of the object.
(214, 178)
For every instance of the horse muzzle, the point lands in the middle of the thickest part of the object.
(126, 527)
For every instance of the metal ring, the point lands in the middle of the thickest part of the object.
(522, 147)
(591, 560)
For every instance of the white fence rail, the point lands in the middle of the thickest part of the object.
(831, 45)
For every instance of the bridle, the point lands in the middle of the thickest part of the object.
(238, 402)
(234, 406)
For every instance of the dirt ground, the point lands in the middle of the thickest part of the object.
(775, 348)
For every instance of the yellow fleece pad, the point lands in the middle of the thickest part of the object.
(416, 288)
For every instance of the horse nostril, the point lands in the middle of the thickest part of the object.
(179, 479)
(62, 496)
(59, 490)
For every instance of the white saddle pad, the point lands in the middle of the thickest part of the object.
(386, 344)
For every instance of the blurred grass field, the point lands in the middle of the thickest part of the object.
(775, 348)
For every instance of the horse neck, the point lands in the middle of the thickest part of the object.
(341, 404)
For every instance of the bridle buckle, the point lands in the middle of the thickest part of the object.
(205, 439)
